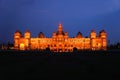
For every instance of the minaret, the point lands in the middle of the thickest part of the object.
(103, 36)
(27, 36)
(17, 36)
(93, 36)
(60, 28)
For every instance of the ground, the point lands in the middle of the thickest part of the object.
(86, 65)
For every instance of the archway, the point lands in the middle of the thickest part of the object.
(22, 46)
(60, 50)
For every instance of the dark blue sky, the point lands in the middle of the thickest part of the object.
(44, 15)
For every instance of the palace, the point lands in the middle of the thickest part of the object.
(60, 41)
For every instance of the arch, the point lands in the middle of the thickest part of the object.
(22, 46)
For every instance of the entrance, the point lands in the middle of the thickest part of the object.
(59, 50)
(22, 46)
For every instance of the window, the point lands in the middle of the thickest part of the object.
(71, 45)
(65, 45)
(48, 45)
(65, 49)
(60, 45)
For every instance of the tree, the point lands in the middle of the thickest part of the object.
(74, 49)
(47, 49)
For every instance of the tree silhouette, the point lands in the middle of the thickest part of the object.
(75, 49)
(47, 49)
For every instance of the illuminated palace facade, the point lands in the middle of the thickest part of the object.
(60, 41)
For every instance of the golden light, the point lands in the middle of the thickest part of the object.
(22, 46)
(60, 41)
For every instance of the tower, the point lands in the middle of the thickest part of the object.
(60, 38)
(66, 35)
(27, 34)
(103, 36)
(27, 37)
(93, 34)
(17, 36)
(60, 30)
(93, 39)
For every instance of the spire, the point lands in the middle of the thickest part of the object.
(60, 27)
(60, 23)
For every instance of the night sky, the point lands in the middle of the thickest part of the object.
(44, 16)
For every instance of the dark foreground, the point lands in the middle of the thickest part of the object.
(87, 65)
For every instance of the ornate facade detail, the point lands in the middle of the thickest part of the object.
(60, 41)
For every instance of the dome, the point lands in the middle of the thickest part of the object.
(54, 33)
(102, 31)
(27, 31)
(41, 35)
(66, 33)
(93, 31)
(79, 35)
(102, 34)
(18, 32)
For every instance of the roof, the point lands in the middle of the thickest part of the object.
(92, 30)
(17, 31)
(102, 31)
(27, 31)
(79, 33)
